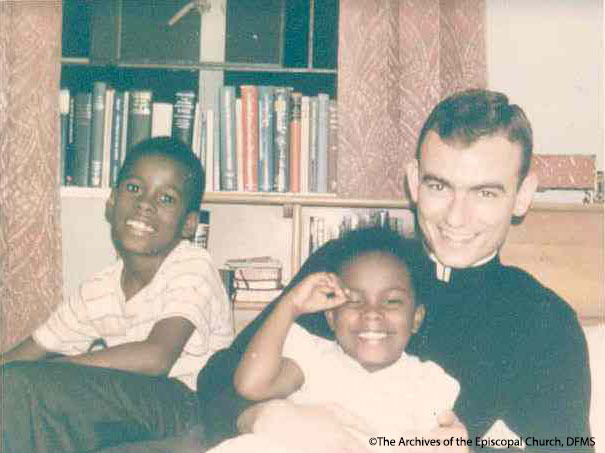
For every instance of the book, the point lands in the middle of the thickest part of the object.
(97, 136)
(64, 97)
(249, 96)
(82, 132)
(139, 117)
(183, 114)
(115, 148)
(265, 139)
(281, 139)
(125, 116)
(313, 126)
(304, 144)
(106, 161)
(239, 142)
(196, 138)
(251, 273)
(257, 295)
(202, 232)
(295, 135)
(228, 158)
(257, 261)
(333, 147)
(240, 283)
(323, 102)
(161, 119)
(70, 157)
(209, 152)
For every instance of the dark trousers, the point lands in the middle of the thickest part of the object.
(52, 407)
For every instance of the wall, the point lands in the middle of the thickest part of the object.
(547, 55)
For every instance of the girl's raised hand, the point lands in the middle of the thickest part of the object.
(317, 292)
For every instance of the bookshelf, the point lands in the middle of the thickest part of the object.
(303, 56)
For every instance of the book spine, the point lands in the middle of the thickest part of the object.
(281, 139)
(313, 126)
(295, 118)
(64, 98)
(139, 117)
(105, 167)
(161, 119)
(196, 138)
(304, 144)
(239, 142)
(125, 116)
(97, 133)
(228, 161)
(116, 138)
(333, 147)
(250, 123)
(82, 131)
(210, 173)
(183, 114)
(71, 137)
(323, 102)
(265, 139)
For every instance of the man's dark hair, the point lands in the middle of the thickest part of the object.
(337, 253)
(179, 152)
(465, 117)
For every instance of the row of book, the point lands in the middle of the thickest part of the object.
(269, 139)
(257, 279)
(325, 228)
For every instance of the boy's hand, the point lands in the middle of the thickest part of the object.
(317, 292)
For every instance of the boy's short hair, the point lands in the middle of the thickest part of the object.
(337, 253)
(469, 115)
(195, 179)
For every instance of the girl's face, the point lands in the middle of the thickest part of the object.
(375, 325)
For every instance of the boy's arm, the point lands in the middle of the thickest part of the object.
(263, 372)
(153, 356)
(27, 350)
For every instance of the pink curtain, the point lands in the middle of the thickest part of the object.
(396, 59)
(30, 234)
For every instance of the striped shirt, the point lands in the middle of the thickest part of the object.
(186, 285)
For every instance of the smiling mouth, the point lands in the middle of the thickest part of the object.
(372, 336)
(139, 227)
(456, 238)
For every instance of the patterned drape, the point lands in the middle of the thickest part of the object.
(30, 235)
(396, 59)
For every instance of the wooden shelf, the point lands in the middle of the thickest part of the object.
(207, 66)
(311, 200)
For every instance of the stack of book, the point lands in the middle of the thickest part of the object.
(325, 228)
(269, 139)
(256, 280)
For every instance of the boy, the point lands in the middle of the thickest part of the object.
(370, 301)
(161, 311)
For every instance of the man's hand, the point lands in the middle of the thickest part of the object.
(316, 428)
(317, 292)
(449, 426)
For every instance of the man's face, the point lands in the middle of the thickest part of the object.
(148, 210)
(466, 196)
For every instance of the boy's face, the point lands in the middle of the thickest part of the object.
(148, 211)
(375, 325)
(466, 196)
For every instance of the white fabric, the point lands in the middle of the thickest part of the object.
(186, 285)
(403, 397)
(401, 400)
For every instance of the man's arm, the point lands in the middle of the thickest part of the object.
(153, 356)
(27, 350)
(553, 393)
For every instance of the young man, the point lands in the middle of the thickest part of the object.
(160, 311)
(515, 347)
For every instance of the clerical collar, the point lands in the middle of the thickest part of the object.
(444, 273)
